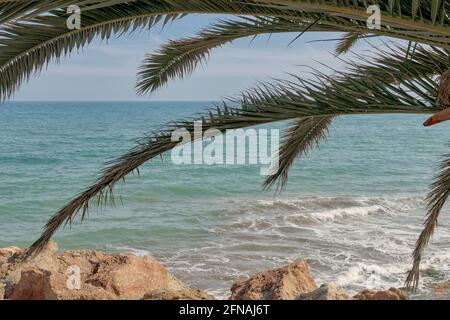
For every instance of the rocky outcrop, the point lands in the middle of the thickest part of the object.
(391, 294)
(87, 275)
(439, 290)
(325, 292)
(185, 294)
(284, 283)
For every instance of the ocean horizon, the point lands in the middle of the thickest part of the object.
(353, 208)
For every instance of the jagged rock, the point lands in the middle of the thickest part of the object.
(39, 284)
(185, 294)
(284, 283)
(440, 290)
(325, 292)
(10, 272)
(7, 253)
(101, 276)
(391, 294)
(2, 290)
(130, 277)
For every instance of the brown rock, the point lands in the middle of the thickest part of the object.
(325, 292)
(39, 284)
(102, 276)
(2, 290)
(440, 290)
(186, 294)
(10, 271)
(284, 283)
(391, 294)
(34, 284)
(7, 253)
(130, 277)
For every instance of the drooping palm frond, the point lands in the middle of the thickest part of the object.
(179, 58)
(302, 135)
(11, 10)
(323, 97)
(436, 199)
(402, 14)
(348, 41)
(391, 66)
(27, 46)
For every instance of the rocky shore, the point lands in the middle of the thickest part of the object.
(94, 275)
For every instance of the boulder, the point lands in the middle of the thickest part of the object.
(391, 294)
(86, 275)
(39, 284)
(284, 283)
(7, 253)
(11, 269)
(129, 277)
(440, 290)
(325, 292)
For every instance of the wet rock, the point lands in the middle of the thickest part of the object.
(391, 294)
(325, 292)
(185, 294)
(284, 283)
(440, 290)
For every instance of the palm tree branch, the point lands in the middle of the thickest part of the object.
(440, 190)
(302, 135)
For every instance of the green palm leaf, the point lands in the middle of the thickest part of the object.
(440, 190)
(301, 136)
(179, 58)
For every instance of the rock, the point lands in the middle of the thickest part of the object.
(7, 253)
(391, 294)
(86, 274)
(186, 294)
(10, 271)
(39, 284)
(440, 290)
(325, 292)
(2, 290)
(130, 277)
(34, 284)
(284, 283)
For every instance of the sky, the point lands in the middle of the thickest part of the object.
(106, 70)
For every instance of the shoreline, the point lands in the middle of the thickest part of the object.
(95, 275)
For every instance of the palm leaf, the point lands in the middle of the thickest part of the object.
(436, 199)
(347, 42)
(179, 58)
(301, 136)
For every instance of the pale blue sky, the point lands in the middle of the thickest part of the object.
(107, 70)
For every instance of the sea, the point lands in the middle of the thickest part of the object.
(353, 207)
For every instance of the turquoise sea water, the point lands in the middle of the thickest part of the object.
(353, 208)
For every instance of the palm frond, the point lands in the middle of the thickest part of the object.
(440, 190)
(301, 136)
(179, 58)
(27, 46)
(347, 42)
(11, 10)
